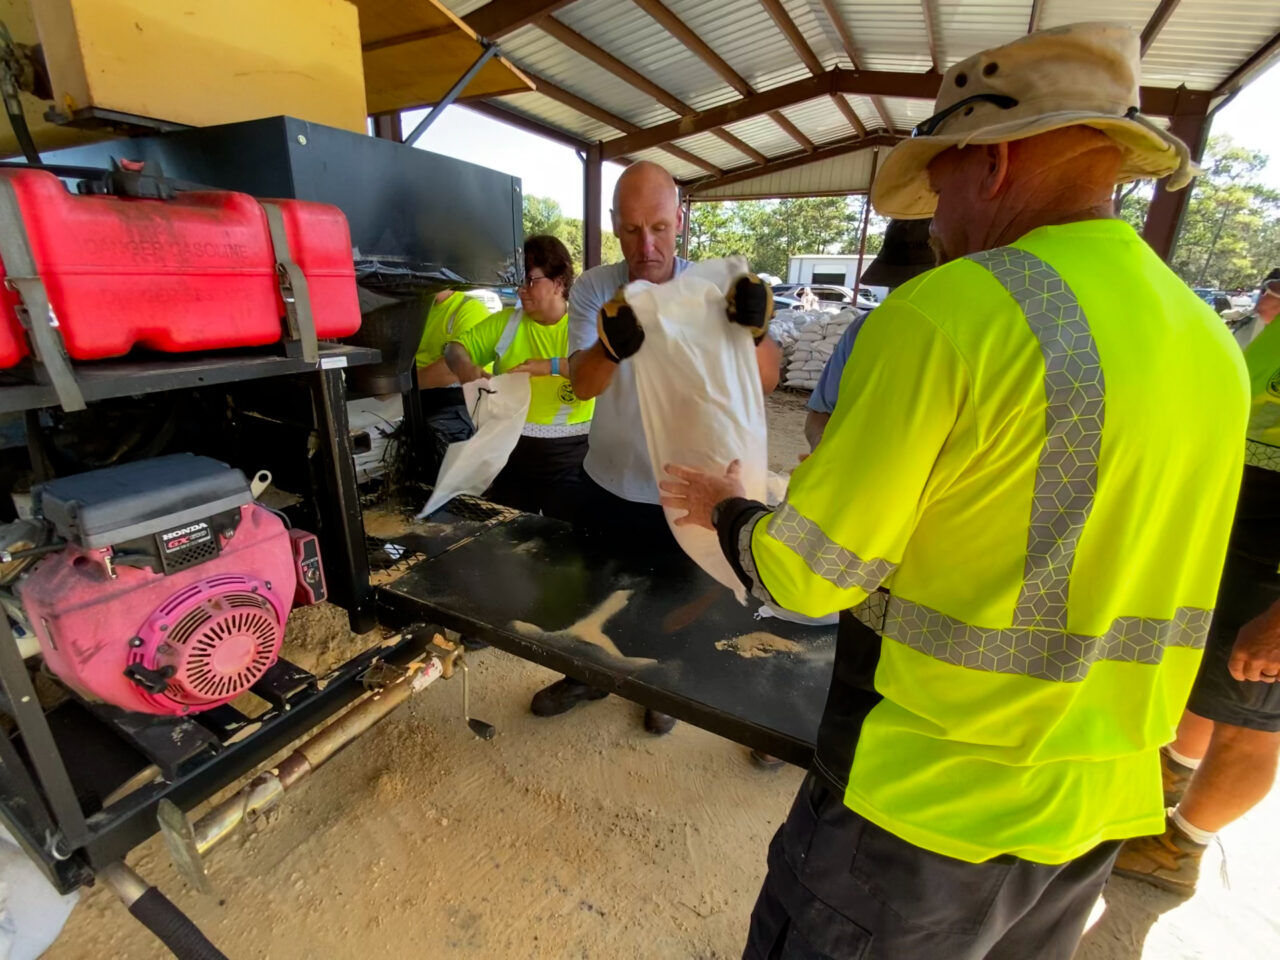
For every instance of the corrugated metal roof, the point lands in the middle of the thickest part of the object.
(968, 28)
(548, 57)
(763, 134)
(631, 35)
(555, 114)
(1206, 40)
(677, 168)
(820, 120)
(890, 34)
(714, 150)
(745, 36)
(1202, 43)
(847, 173)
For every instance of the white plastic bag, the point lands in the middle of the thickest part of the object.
(470, 466)
(700, 395)
(32, 913)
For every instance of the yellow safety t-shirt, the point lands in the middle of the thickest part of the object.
(1036, 453)
(1262, 357)
(509, 338)
(451, 317)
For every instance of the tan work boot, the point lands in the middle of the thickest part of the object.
(1174, 777)
(1170, 861)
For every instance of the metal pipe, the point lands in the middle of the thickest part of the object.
(189, 844)
(490, 49)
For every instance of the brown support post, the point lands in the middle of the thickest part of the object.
(866, 219)
(687, 206)
(386, 126)
(1164, 217)
(592, 188)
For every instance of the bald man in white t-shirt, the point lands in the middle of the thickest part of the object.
(618, 491)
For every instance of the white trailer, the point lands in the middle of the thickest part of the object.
(840, 269)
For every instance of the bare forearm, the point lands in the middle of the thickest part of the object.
(769, 360)
(814, 425)
(460, 362)
(591, 372)
(436, 374)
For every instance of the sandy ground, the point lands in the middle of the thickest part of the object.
(580, 836)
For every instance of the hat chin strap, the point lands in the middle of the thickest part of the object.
(1186, 171)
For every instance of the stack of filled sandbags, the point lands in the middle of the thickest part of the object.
(815, 341)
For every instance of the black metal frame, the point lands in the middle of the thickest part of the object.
(38, 800)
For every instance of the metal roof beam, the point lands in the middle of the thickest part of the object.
(851, 51)
(740, 145)
(927, 8)
(585, 107)
(793, 160)
(693, 159)
(865, 82)
(501, 17)
(1158, 101)
(497, 111)
(699, 47)
(854, 120)
(602, 58)
(1245, 73)
(778, 12)
(791, 130)
(1157, 22)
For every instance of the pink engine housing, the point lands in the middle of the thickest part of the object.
(218, 624)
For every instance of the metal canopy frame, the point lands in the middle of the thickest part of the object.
(1188, 110)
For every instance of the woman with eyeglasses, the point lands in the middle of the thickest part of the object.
(533, 338)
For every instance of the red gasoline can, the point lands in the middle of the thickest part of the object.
(196, 272)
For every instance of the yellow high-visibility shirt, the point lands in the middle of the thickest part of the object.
(1262, 357)
(509, 338)
(451, 317)
(1036, 451)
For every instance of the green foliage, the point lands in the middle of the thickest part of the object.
(1231, 232)
(769, 232)
(542, 215)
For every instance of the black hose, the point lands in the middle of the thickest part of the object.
(157, 913)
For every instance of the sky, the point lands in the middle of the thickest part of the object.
(549, 169)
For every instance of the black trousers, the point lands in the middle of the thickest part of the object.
(542, 475)
(842, 888)
(447, 421)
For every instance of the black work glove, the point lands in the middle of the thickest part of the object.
(620, 332)
(749, 302)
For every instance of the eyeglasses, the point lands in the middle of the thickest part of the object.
(529, 282)
(926, 128)
(1271, 289)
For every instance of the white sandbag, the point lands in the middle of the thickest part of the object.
(470, 466)
(823, 350)
(809, 336)
(688, 340)
(32, 913)
(816, 365)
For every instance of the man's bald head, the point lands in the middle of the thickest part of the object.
(989, 195)
(647, 219)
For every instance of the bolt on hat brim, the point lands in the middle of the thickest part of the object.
(902, 186)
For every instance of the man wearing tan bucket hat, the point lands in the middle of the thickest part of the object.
(1021, 504)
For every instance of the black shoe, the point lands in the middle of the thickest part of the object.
(472, 644)
(562, 696)
(659, 724)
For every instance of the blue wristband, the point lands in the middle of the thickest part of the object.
(555, 366)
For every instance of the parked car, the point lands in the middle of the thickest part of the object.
(830, 296)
